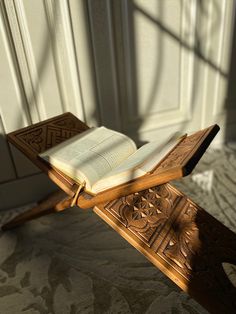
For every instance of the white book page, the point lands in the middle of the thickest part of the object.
(91, 155)
(147, 156)
(138, 164)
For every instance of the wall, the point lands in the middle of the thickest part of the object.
(153, 66)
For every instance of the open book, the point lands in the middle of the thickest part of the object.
(100, 158)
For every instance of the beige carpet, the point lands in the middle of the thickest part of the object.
(72, 262)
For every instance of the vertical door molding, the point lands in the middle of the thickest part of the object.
(219, 102)
(102, 35)
(66, 66)
(12, 99)
(82, 39)
(14, 18)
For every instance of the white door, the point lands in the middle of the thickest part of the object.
(143, 67)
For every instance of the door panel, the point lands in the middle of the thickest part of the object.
(146, 68)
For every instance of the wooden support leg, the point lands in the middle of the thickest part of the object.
(57, 201)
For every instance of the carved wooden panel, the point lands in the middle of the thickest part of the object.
(46, 135)
(181, 239)
(145, 213)
(179, 155)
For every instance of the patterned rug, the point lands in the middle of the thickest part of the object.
(72, 262)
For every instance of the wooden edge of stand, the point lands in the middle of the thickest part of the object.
(199, 152)
(86, 200)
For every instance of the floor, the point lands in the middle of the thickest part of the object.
(72, 262)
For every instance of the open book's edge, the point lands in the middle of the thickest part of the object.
(88, 199)
(71, 173)
(119, 178)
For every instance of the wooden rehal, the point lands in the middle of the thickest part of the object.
(174, 233)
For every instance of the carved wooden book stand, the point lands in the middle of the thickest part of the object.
(175, 234)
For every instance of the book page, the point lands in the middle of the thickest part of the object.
(147, 156)
(138, 164)
(92, 154)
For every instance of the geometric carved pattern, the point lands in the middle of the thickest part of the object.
(197, 243)
(146, 212)
(183, 242)
(181, 238)
(49, 134)
(33, 138)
